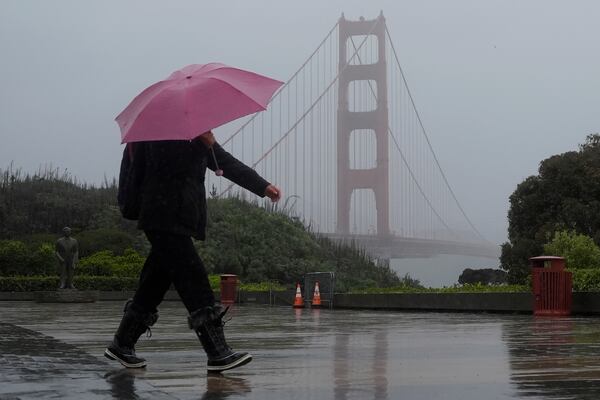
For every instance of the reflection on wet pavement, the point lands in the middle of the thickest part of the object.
(35, 366)
(555, 358)
(304, 354)
(220, 386)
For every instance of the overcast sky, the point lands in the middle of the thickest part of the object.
(500, 85)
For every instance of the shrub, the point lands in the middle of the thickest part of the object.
(262, 287)
(579, 250)
(28, 283)
(13, 257)
(215, 282)
(96, 240)
(469, 288)
(106, 263)
(33, 241)
(586, 280)
(42, 261)
(41, 283)
(17, 259)
(485, 276)
(261, 245)
(106, 283)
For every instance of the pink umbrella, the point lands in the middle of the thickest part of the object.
(194, 100)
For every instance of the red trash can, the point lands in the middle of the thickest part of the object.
(229, 288)
(552, 286)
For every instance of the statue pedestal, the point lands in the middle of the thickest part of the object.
(67, 296)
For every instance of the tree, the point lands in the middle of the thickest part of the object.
(514, 259)
(484, 276)
(579, 250)
(408, 281)
(565, 195)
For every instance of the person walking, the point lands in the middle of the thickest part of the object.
(172, 211)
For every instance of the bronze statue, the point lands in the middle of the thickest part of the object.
(67, 253)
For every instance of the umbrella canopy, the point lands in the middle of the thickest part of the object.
(194, 100)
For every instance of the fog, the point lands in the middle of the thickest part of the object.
(500, 85)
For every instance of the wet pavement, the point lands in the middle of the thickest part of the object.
(55, 351)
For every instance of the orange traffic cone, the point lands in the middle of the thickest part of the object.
(316, 302)
(298, 302)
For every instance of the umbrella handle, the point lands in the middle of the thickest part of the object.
(218, 171)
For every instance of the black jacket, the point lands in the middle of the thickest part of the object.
(173, 193)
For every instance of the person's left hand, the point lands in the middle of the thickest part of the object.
(273, 192)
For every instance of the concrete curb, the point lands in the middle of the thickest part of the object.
(583, 302)
(499, 302)
(66, 296)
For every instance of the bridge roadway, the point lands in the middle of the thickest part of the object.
(391, 246)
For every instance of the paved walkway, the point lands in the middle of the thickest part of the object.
(35, 366)
(55, 351)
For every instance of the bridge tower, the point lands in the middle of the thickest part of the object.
(376, 178)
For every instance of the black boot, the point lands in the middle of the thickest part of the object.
(208, 325)
(133, 324)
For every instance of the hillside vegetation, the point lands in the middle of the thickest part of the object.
(242, 238)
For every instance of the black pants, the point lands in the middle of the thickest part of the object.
(173, 259)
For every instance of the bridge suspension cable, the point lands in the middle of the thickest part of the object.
(293, 144)
(418, 115)
(404, 160)
(283, 87)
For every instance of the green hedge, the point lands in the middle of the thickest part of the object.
(261, 287)
(105, 263)
(586, 280)
(468, 288)
(36, 283)
(106, 283)
(16, 258)
(215, 284)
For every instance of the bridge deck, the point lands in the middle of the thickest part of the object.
(399, 247)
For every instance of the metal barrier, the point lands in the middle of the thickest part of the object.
(326, 287)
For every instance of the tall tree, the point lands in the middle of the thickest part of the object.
(565, 195)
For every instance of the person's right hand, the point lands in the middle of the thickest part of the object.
(208, 138)
(273, 192)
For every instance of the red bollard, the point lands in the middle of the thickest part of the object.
(229, 288)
